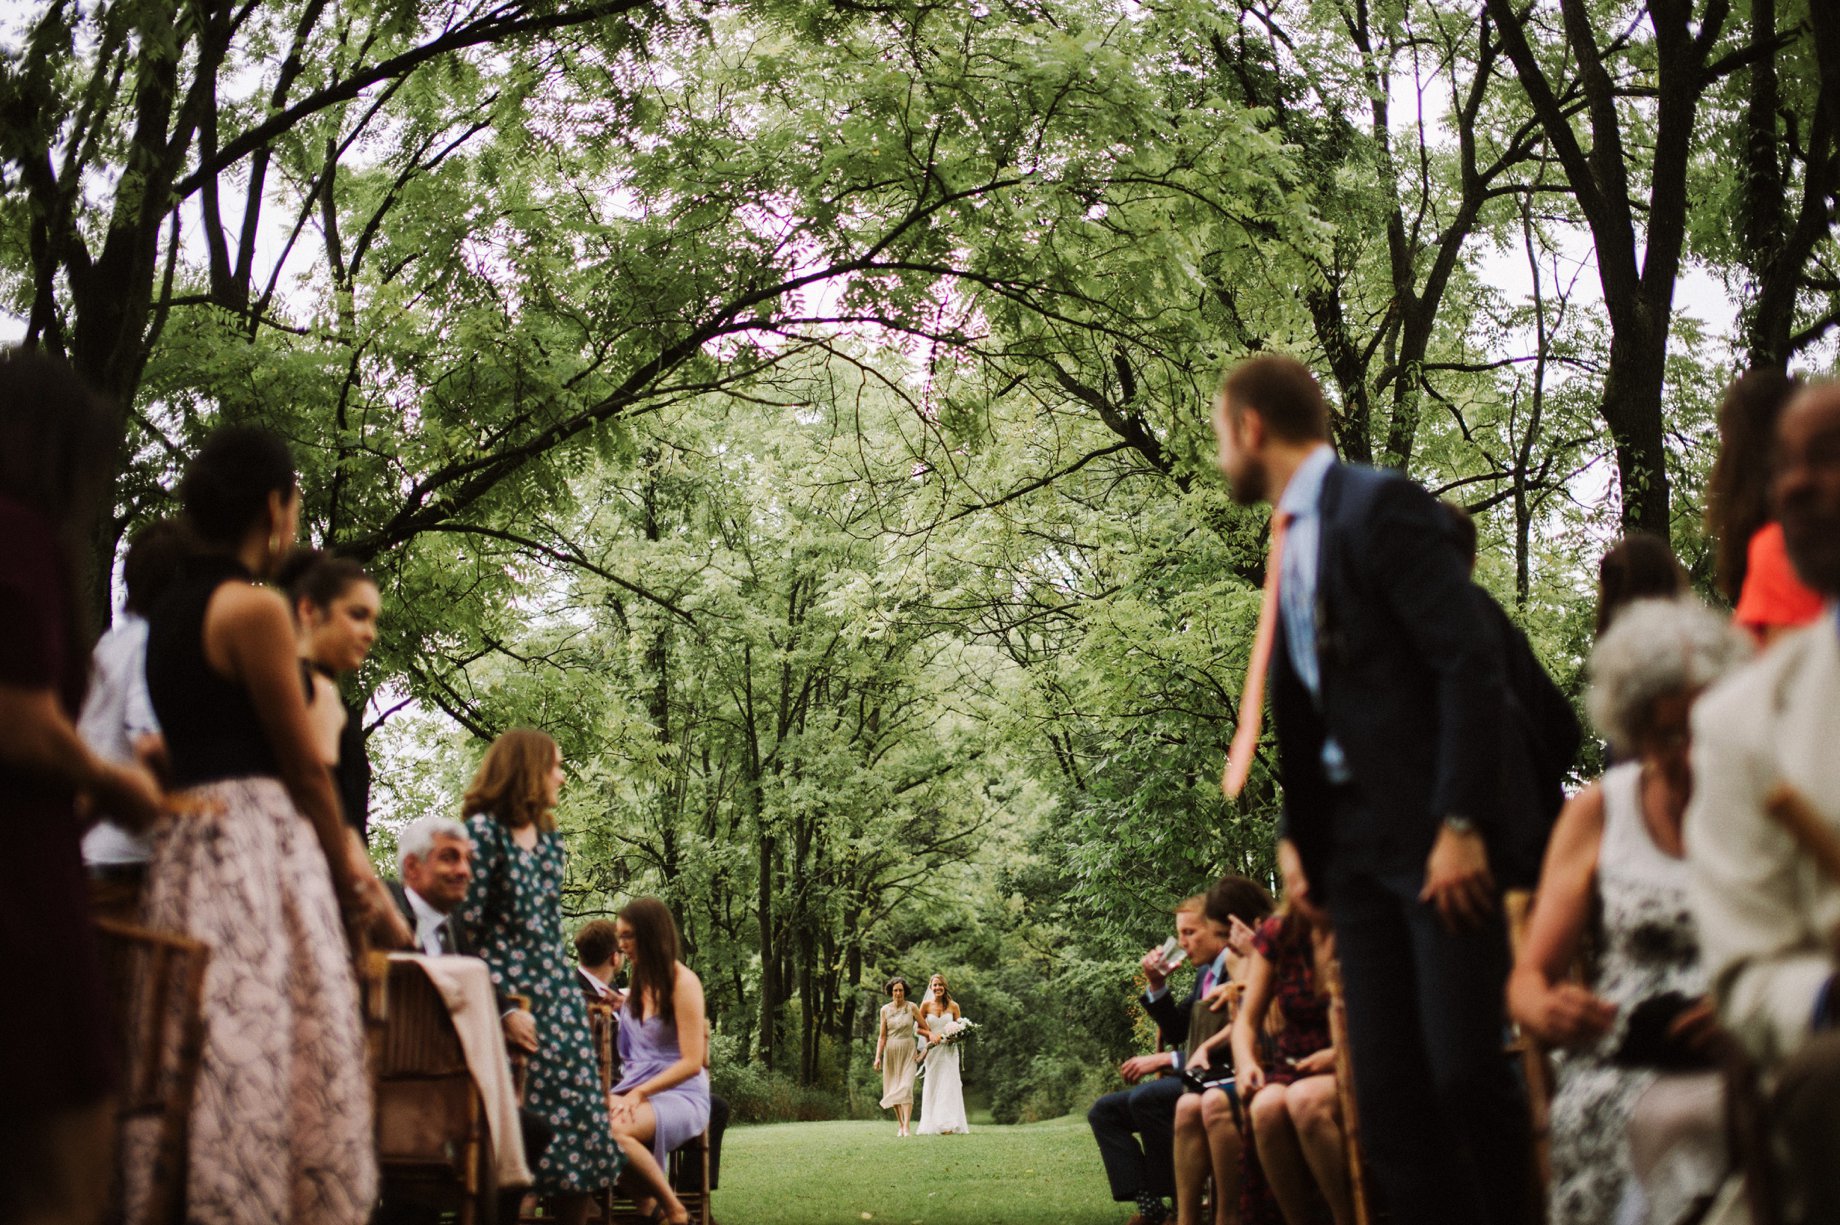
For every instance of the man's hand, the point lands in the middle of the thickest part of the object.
(1297, 884)
(521, 1030)
(1457, 879)
(1155, 972)
(1316, 1062)
(1137, 1067)
(1572, 1016)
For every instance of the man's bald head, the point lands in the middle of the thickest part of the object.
(1806, 488)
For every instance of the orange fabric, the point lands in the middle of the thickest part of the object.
(1773, 595)
(1252, 694)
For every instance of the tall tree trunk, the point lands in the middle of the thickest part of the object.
(1638, 285)
(1632, 410)
(770, 990)
(1776, 246)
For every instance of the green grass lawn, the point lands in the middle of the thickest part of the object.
(847, 1173)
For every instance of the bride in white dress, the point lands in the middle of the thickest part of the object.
(942, 1102)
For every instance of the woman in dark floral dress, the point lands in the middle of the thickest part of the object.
(1291, 1108)
(513, 912)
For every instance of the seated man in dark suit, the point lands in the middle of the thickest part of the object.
(597, 952)
(435, 857)
(597, 972)
(1135, 1128)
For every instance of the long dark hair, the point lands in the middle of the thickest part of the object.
(319, 577)
(653, 963)
(226, 486)
(1237, 897)
(155, 554)
(58, 445)
(1640, 566)
(1738, 492)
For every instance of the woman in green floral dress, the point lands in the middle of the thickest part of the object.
(513, 912)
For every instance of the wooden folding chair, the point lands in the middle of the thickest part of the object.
(159, 981)
(433, 1143)
(693, 1158)
(1536, 1066)
(602, 1026)
(1330, 970)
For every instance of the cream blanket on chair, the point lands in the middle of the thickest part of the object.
(465, 986)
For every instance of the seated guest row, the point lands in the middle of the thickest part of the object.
(600, 965)
(1738, 855)
(249, 840)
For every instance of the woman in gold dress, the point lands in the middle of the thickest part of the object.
(897, 1050)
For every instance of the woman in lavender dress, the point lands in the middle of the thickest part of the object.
(662, 1100)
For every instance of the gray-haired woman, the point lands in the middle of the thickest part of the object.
(1617, 849)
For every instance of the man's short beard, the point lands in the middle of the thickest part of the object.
(1250, 486)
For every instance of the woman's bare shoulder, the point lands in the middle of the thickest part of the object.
(1580, 827)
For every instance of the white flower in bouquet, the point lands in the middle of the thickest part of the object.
(957, 1032)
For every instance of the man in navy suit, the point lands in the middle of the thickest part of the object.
(1389, 699)
(1135, 1127)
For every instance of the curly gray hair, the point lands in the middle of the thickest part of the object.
(419, 838)
(1654, 649)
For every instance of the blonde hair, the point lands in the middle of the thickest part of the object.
(1192, 905)
(509, 784)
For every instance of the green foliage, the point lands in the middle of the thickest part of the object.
(801, 410)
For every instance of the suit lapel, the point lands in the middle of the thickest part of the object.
(400, 892)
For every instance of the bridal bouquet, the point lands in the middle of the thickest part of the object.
(953, 1034)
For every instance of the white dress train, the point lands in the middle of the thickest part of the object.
(942, 1101)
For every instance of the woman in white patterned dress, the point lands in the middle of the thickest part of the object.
(1617, 847)
(942, 1100)
(258, 866)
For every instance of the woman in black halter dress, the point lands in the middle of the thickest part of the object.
(257, 865)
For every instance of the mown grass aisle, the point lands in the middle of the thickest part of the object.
(847, 1173)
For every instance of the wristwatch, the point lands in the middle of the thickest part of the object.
(1460, 825)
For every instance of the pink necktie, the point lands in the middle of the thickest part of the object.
(1252, 695)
